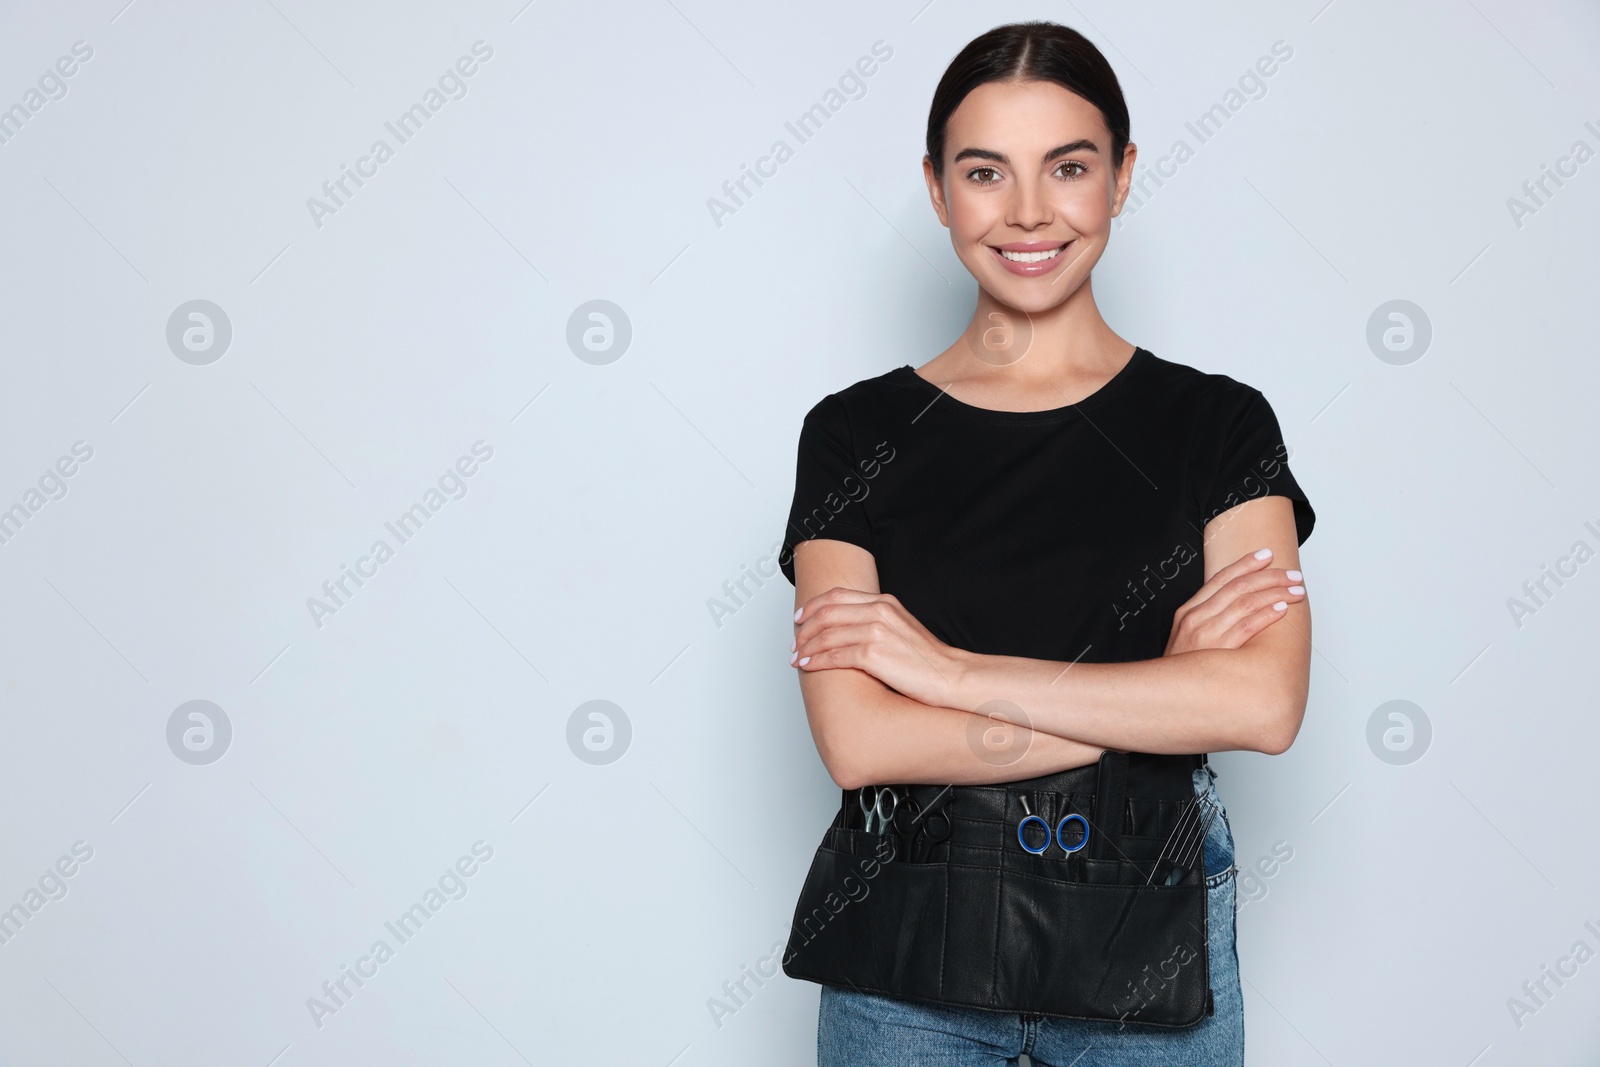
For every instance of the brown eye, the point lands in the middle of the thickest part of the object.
(984, 175)
(1072, 163)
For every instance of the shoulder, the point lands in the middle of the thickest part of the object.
(876, 389)
(865, 399)
(1210, 392)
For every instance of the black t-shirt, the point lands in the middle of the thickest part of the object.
(1068, 534)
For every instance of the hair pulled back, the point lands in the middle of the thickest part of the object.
(1030, 51)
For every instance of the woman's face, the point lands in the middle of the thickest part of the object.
(1029, 190)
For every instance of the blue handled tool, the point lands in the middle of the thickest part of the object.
(1060, 832)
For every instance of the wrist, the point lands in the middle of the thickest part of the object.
(966, 679)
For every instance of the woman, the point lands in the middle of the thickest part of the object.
(1049, 520)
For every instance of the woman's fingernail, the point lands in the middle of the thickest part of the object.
(1280, 606)
(804, 661)
(797, 612)
(1294, 576)
(1297, 590)
(1265, 553)
(792, 655)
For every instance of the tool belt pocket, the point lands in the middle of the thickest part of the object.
(1107, 924)
(864, 918)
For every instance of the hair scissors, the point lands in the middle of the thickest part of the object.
(884, 803)
(1061, 832)
(923, 828)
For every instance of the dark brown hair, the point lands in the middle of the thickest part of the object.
(1032, 51)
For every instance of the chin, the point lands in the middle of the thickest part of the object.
(1032, 297)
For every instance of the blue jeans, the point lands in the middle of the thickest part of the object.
(866, 1029)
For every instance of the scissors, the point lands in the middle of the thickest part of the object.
(923, 829)
(1060, 834)
(884, 803)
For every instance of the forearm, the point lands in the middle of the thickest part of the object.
(883, 737)
(1204, 701)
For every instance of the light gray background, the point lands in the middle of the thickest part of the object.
(431, 312)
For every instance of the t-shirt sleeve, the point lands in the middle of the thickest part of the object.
(1250, 461)
(829, 489)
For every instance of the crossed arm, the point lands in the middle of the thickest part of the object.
(888, 702)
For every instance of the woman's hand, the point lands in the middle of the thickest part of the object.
(875, 633)
(1239, 601)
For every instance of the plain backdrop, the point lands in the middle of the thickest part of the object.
(637, 861)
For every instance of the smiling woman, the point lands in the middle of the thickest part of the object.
(968, 649)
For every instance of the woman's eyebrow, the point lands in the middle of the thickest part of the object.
(1082, 144)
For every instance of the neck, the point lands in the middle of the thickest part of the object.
(1062, 342)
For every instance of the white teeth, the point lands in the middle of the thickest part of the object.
(1031, 257)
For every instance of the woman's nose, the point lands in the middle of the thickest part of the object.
(1029, 207)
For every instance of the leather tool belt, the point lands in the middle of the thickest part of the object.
(980, 920)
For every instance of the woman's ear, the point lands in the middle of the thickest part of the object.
(1119, 191)
(935, 192)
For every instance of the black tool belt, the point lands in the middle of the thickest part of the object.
(964, 912)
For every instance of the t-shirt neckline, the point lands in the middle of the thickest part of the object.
(1066, 411)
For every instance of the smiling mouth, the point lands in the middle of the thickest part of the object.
(1032, 257)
